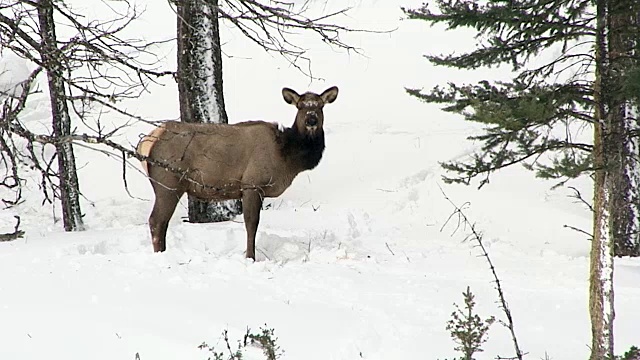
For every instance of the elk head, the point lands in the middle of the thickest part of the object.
(309, 119)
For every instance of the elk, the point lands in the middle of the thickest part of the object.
(250, 160)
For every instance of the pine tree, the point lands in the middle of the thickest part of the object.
(530, 115)
(534, 114)
(615, 160)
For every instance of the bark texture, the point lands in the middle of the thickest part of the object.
(623, 154)
(68, 178)
(599, 295)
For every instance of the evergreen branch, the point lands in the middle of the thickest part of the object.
(498, 161)
(518, 53)
(518, 120)
(584, 60)
(514, 31)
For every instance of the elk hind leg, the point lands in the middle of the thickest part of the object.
(251, 206)
(163, 208)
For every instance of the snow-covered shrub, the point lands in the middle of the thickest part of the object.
(253, 346)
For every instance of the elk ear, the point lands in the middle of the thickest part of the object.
(290, 96)
(330, 95)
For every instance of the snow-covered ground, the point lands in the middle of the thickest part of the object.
(353, 260)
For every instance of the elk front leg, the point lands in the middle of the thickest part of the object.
(251, 206)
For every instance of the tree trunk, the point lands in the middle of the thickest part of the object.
(67, 175)
(625, 202)
(200, 87)
(601, 298)
(617, 192)
(601, 272)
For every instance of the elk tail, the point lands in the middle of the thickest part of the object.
(146, 144)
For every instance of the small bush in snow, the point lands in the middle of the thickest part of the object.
(632, 354)
(264, 340)
(467, 329)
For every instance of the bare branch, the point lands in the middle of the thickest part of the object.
(577, 195)
(477, 236)
(16, 234)
(99, 68)
(580, 231)
(10, 153)
(273, 25)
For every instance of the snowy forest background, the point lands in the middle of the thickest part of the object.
(361, 257)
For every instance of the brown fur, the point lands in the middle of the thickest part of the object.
(248, 161)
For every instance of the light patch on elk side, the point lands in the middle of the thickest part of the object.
(146, 144)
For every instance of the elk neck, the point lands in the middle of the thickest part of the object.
(301, 151)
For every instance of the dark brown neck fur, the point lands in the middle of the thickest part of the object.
(301, 151)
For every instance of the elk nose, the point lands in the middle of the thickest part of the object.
(312, 120)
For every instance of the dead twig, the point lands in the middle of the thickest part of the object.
(579, 230)
(577, 195)
(389, 248)
(16, 234)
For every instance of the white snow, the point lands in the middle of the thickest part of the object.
(13, 71)
(353, 260)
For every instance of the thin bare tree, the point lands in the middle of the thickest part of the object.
(88, 74)
(51, 58)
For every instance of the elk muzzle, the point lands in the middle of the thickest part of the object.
(311, 120)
